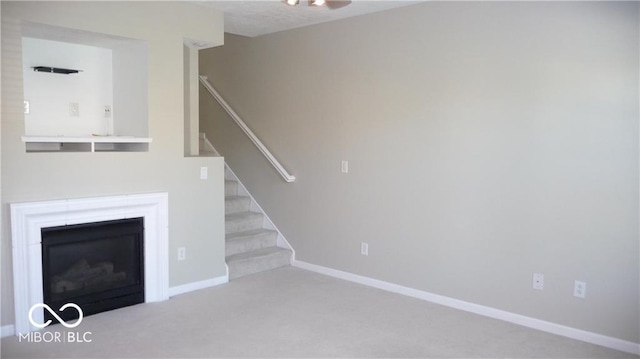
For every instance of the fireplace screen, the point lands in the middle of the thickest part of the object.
(98, 266)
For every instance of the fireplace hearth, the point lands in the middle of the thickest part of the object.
(98, 266)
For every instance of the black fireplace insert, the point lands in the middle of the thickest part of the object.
(98, 266)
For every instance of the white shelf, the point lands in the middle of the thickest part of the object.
(86, 144)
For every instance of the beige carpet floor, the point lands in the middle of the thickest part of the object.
(290, 312)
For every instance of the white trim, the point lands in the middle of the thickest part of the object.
(27, 220)
(256, 141)
(267, 223)
(207, 147)
(190, 287)
(7, 331)
(573, 333)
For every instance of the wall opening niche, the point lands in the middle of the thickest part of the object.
(83, 91)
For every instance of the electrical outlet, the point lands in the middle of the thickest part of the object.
(107, 111)
(538, 281)
(364, 249)
(344, 167)
(579, 289)
(27, 107)
(182, 253)
(74, 109)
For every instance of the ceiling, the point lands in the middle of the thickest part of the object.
(255, 18)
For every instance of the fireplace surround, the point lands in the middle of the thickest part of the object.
(29, 219)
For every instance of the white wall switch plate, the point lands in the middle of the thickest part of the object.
(204, 173)
(364, 249)
(27, 107)
(579, 289)
(344, 167)
(538, 281)
(182, 253)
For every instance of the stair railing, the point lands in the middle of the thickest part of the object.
(256, 141)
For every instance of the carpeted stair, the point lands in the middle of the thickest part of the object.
(250, 248)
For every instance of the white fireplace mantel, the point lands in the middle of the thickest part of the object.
(28, 219)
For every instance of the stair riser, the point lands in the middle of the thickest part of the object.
(230, 188)
(246, 224)
(242, 245)
(237, 205)
(260, 264)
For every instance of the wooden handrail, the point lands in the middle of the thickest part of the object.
(256, 141)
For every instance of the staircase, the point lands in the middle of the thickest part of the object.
(250, 248)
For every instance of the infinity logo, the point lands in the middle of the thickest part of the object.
(42, 305)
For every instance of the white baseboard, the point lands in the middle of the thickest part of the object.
(549, 327)
(190, 287)
(7, 331)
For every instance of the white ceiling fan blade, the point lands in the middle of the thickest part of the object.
(336, 4)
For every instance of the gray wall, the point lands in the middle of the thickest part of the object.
(196, 207)
(486, 141)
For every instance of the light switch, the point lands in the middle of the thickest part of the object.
(204, 173)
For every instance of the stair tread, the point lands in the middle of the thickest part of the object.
(242, 221)
(236, 197)
(237, 204)
(249, 240)
(249, 234)
(263, 252)
(242, 215)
